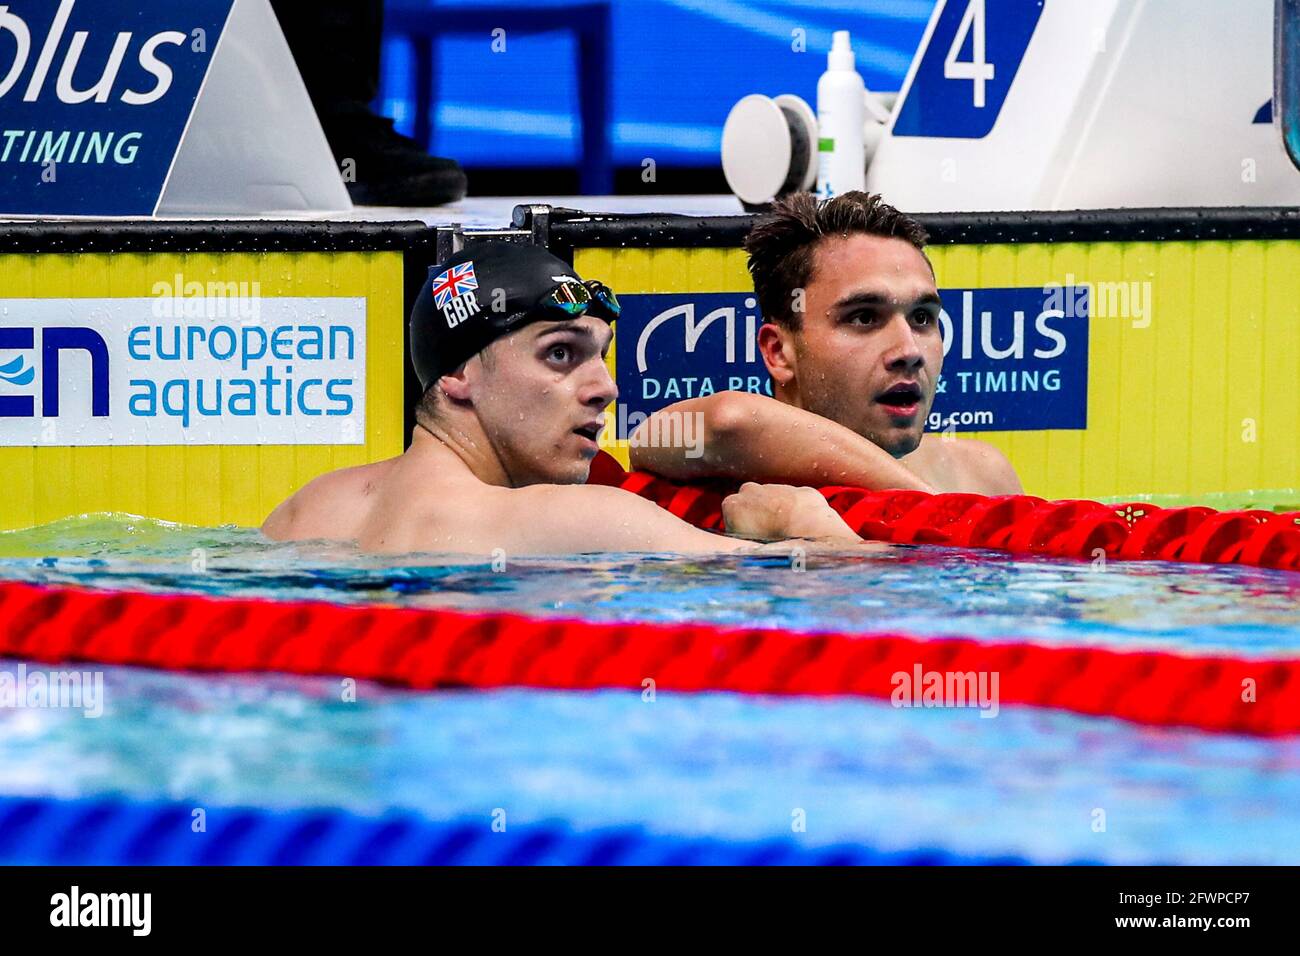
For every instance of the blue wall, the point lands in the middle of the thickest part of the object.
(677, 68)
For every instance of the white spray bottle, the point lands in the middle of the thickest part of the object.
(841, 113)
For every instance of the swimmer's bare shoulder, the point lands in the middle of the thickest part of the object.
(543, 519)
(989, 469)
(965, 465)
(334, 505)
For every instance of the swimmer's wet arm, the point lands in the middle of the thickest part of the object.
(548, 519)
(746, 436)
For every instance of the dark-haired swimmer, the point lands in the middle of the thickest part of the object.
(851, 339)
(509, 346)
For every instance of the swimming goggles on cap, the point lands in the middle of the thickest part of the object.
(572, 299)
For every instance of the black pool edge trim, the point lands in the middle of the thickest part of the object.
(212, 235)
(570, 229)
(564, 230)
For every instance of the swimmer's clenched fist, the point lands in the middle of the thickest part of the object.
(510, 347)
(776, 511)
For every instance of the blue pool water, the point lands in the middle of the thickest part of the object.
(1028, 783)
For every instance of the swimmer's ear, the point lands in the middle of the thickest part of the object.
(455, 385)
(776, 344)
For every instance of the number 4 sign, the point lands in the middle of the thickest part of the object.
(977, 69)
(967, 64)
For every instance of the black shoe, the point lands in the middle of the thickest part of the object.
(390, 169)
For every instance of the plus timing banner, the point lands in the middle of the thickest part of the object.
(95, 96)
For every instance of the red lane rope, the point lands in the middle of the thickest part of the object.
(425, 649)
(1021, 524)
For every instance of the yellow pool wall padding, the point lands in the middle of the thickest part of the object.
(205, 484)
(1203, 399)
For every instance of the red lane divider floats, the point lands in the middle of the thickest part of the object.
(1021, 524)
(425, 649)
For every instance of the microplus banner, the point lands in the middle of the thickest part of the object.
(95, 98)
(1015, 359)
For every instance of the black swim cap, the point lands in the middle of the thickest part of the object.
(485, 291)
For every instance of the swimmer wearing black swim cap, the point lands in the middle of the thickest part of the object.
(509, 344)
(511, 332)
(490, 290)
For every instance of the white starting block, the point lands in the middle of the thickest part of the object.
(1079, 104)
(151, 107)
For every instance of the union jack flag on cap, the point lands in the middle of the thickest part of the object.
(454, 282)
